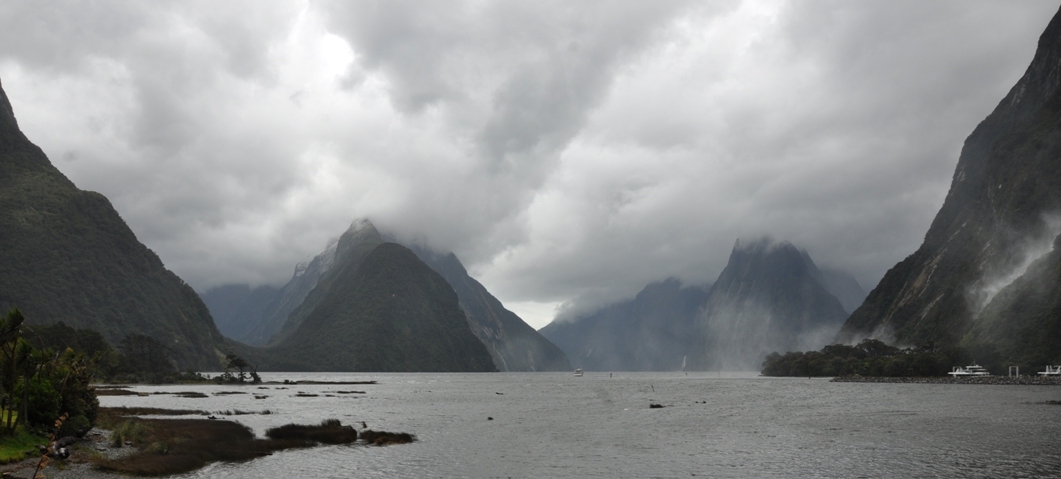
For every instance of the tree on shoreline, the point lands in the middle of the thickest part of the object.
(39, 384)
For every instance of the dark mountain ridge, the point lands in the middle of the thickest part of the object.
(512, 344)
(383, 311)
(68, 256)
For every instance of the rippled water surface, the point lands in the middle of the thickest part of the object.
(600, 425)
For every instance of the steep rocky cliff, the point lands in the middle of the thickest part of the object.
(999, 215)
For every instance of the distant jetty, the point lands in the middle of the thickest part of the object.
(997, 380)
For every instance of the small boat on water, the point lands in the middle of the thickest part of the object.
(1051, 371)
(578, 372)
(973, 370)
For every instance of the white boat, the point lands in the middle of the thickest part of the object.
(1051, 371)
(973, 370)
(578, 373)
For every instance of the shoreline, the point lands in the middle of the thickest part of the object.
(988, 380)
(78, 465)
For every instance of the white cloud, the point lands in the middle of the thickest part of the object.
(568, 152)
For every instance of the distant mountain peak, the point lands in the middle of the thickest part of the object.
(763, 244)
(361, 226)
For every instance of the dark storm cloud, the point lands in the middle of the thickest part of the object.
(569, 152)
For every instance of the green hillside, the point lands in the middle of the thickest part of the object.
(67, 256)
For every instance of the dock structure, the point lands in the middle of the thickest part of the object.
(1051, 371)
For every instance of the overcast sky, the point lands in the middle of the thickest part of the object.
(568, 152)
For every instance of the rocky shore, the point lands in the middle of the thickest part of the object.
(77, 466)
(996, 380)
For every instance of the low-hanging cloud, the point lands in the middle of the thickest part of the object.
(562, 150)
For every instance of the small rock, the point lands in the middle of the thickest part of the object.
(489, 418)
(655, 406)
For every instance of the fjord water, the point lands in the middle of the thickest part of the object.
(600, 425)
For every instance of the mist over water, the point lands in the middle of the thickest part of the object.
(600, 425)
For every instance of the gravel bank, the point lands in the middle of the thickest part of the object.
(95, 443)
(997, 380)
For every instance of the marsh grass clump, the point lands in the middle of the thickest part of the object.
(330, 431)
(240, 412)
(384, 438)
(132, 431)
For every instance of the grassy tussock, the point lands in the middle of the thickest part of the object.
(132, 430)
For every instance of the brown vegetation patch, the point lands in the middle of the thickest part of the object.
(183, 394)
(115, 392)
(172, 446)
(330, 431)
(344, 383)
(239, 412)
(109, 415)
(384, 438)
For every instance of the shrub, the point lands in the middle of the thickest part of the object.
(75, 426)
(44, 401)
